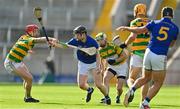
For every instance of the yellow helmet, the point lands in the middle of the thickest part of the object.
(139, 9)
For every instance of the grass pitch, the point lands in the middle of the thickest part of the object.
(57, 96)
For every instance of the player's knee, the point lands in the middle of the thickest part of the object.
(146, 79)
(131, 80)
(29, 79)
(158, 83)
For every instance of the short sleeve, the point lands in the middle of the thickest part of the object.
(31, 41)
(133, 23)
(150, 25)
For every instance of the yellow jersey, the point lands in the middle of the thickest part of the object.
(21, 48)
(111, 51)
(139, 45)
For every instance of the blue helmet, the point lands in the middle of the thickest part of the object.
(80, 29)
(167, 11)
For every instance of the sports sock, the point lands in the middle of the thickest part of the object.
(133, 89)
(89, 89)
(146, 101)
(107, 96)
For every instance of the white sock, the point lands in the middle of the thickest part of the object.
(145, 102)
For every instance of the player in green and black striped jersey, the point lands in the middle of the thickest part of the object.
(14, 60)
(139, 45)
(115, 58)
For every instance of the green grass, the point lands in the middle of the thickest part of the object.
(56, 96)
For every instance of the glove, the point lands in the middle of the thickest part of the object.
(123, 46)
(111, 61)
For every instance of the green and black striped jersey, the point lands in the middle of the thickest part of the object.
(139, 45)
(20, 49)
(111, 51)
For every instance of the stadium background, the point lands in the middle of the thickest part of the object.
(60, 17)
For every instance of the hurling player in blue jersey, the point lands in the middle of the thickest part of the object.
(163, 35)
(87, 63)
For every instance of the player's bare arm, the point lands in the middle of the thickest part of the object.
(59, 44)
(98, 63)
(130, 39)
(43, 40)
(137, 30)
(172, 43)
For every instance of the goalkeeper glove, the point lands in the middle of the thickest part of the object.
(123, 46)
(111, 61)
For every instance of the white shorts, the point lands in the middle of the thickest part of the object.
(12, 66)
(119, 70)
(153, 61)
(136, 61)
(84, 68)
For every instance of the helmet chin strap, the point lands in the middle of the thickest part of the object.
(29, 34)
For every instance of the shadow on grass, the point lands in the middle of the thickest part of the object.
(60, 103)
(88, 104)
(164, 106)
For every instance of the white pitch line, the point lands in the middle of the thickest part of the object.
(176, 54)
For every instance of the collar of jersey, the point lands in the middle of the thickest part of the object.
(166, 19)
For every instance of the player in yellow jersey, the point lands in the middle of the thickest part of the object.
(115, 57)
(139, 45)
(14, 60)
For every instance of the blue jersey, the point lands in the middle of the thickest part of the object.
(82, 56)
(162, 32)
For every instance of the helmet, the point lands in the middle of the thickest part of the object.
(30, 28)
(100, 36)
(115, 38)
(167, 11)
(140, 9)
(80, 29)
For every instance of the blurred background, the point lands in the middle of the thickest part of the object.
(60, 17)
